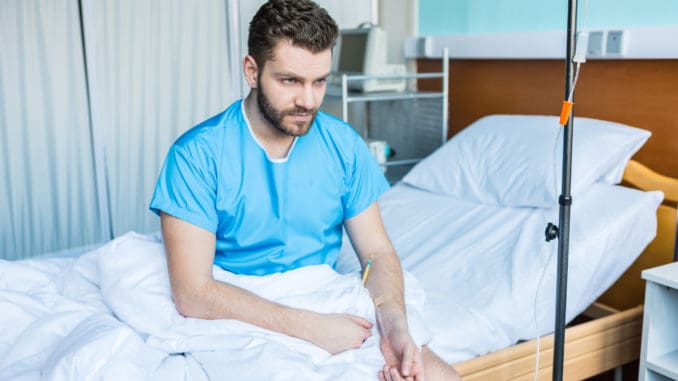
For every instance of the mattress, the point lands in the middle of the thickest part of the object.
(489, 274)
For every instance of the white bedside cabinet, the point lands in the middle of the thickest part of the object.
(659, 350)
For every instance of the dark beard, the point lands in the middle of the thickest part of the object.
(275, 117)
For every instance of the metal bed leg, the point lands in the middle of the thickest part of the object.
(618, 373)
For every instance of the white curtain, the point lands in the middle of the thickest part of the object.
(157, 67)
(48, 194)
(75, 173)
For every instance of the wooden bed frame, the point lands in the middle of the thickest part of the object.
(635, 92)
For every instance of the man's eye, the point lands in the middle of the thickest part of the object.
(320, 82)
(289, 81)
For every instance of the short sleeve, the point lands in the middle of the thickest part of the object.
(366, 181)
(186, 187)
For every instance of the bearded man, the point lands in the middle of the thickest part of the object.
(268, 185)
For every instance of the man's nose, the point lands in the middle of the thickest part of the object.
(305, 98)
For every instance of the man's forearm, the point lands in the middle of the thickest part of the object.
(334, 333)
(385, 283)
(211, 299)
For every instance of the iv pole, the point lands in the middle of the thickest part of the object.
(565, 201)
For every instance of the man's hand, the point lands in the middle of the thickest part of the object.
(402, 356)
(337, 333)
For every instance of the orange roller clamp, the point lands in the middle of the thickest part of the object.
(565, 112)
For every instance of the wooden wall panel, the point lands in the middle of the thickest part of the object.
(641, 93)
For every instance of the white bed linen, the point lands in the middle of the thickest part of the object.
(480, 265)
(109, 315)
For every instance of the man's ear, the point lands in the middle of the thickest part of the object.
(250, 70)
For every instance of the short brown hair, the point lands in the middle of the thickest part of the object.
(302, 22)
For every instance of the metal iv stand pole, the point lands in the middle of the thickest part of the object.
(565, 202)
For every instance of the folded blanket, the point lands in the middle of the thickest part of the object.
(109, 314)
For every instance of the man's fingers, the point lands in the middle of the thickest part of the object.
(366, 334)
(395, 375)
(363, 322)
(390, 374)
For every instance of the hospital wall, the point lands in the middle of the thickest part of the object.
(508, 57)
(438, 17)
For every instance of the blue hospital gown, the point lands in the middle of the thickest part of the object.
(268, 215)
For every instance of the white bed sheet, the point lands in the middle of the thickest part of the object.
(108, 314)
(480, 265)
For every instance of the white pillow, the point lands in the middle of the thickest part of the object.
(516, 160)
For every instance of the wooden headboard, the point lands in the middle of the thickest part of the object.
(640, 93)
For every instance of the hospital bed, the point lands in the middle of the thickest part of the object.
(484, 267)
(488, 274)
(631, 91)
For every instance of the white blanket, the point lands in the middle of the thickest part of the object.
(109, 315)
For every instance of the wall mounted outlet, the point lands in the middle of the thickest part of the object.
(595, 47)
(615, 43)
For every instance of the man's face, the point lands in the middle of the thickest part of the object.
(291, 87)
